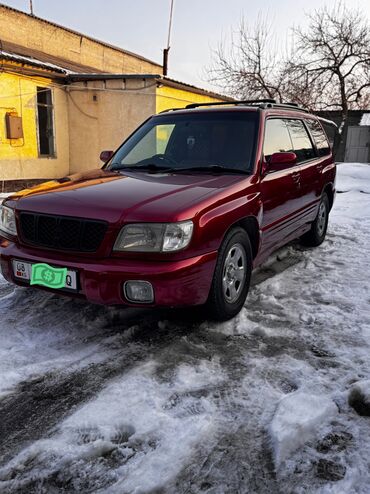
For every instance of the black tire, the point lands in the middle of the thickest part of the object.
(316, 235)
(222, 304)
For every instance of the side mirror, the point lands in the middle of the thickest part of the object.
(106, 156)
(281, 161)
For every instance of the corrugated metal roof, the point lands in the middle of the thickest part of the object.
(38, 57)
(33, 62)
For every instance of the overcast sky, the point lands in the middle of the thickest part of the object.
(198, 25)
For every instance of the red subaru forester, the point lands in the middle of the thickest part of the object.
(181, 213)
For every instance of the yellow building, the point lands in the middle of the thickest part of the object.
(65, 96)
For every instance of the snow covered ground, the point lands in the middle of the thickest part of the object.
(95, 399)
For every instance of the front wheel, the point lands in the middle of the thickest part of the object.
(316, 235)
(231, 278)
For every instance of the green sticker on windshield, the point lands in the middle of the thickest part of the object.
(43, 274)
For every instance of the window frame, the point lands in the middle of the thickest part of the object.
(281, 117)
(313, 140)
(53, 155)
(308, 160)
(161, 119)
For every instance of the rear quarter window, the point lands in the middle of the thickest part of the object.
(319, 136)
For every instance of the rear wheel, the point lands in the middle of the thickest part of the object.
(231, 278)
(316, 235)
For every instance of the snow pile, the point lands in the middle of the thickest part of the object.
(297, 420)
(365, 119)
(354, 177)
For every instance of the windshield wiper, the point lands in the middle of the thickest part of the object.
(212, 168)
(151, 167)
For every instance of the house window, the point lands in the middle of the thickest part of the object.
(45, 120)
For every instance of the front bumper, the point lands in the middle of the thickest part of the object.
(175, 283)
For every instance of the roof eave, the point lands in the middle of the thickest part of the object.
(27, 68)
(107, 76)
(165, 81)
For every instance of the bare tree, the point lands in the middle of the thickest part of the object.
(332, 60)
(251, 68)
(327, 67)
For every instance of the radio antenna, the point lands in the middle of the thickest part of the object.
(167, 49)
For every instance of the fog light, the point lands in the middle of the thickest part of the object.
(139, 291)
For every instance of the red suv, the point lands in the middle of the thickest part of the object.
(182, 212)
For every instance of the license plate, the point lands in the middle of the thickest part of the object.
(22, 270)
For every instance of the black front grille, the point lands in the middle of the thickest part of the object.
(62, 232)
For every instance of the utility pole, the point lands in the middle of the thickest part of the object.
(31, 7)
(167, 49)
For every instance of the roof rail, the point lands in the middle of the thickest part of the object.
(261, 103)
(291, 104)
(287, 106)
(236, 102)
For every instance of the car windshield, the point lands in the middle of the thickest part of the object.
(222, 141)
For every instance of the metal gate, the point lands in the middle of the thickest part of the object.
(358, 144)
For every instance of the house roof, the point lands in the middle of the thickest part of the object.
(164, 80)
(72, 72)
(41, 60)
(13, 57)
(365, 119)
(167, 81)
(59, 26)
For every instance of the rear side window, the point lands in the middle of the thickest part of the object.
(319, 136)
(277, 138)
(302, 144)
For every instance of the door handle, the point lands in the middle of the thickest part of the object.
(297, 179)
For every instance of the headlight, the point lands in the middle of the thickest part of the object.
(7, 220)
(154, 237)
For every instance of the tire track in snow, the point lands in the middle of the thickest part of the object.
(35, 407)
(284, 259)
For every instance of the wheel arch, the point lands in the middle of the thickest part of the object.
(329, 191)
(251, 227)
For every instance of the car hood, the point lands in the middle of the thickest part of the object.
(117, 197)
